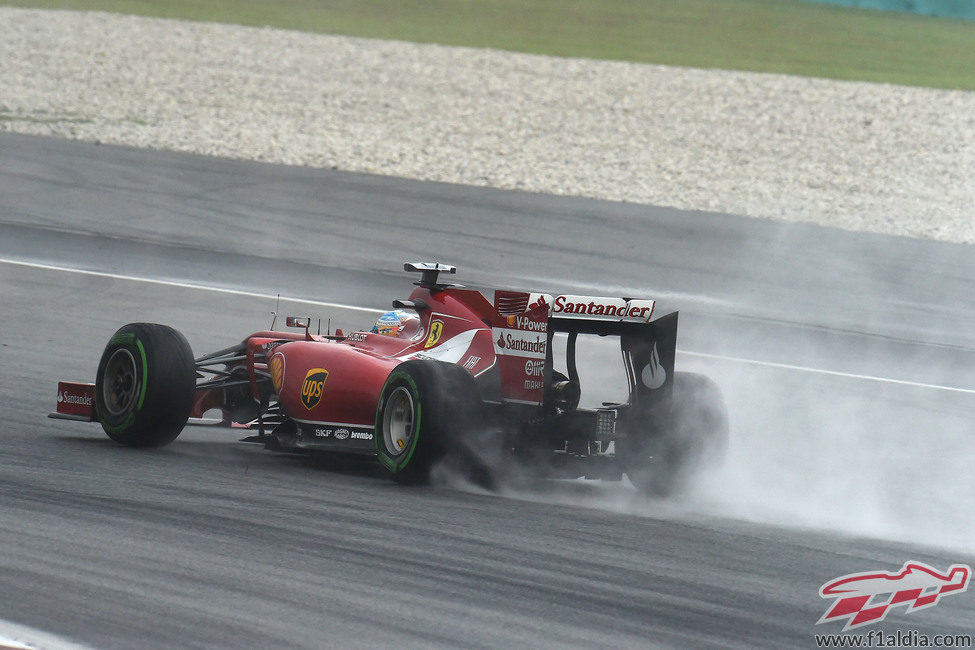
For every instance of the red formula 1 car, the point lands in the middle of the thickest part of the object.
(450, 374)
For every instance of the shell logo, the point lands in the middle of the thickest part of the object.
(276, 366)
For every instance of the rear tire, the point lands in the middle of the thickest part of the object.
(145, 385)
(661, 460)
(425, 410)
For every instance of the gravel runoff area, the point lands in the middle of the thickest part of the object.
(883, 158)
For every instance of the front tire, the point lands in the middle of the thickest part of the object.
(144, 385)
(425, 410)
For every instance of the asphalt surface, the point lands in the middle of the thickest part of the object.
(845, 359)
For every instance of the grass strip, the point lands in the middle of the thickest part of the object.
(786, 36)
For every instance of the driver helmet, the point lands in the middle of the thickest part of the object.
(398, 323)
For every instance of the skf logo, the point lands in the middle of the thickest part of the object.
(276, 366)
(313, 387)
(865, 598)
(436, 329)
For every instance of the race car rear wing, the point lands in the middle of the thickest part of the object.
(525, 325)
(648, 349)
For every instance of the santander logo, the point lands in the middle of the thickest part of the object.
(591, 307)
(68, 398)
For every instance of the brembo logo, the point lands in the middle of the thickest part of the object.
(865, 598)
(313, 386)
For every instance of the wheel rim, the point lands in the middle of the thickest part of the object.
(119, 382)
(398, 421)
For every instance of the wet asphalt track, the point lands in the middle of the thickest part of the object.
(210, 543)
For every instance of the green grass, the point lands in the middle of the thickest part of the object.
(789, 36)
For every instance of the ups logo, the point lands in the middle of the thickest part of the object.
(313, 387)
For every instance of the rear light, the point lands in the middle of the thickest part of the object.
(605, 425)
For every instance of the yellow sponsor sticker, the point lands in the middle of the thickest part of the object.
(436, 329)
(276, 366)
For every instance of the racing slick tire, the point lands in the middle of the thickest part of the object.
(425, 410)
(145, 384)
(661, 460)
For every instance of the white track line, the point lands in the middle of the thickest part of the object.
(14, 636)
(10, 644)
(185, 285)
(336, 305)
(834, 373)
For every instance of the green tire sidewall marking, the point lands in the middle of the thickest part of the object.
(384, 455)
(118, 428)
(122, 339)
(145, 375)
(415, 439)
(126, 340)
